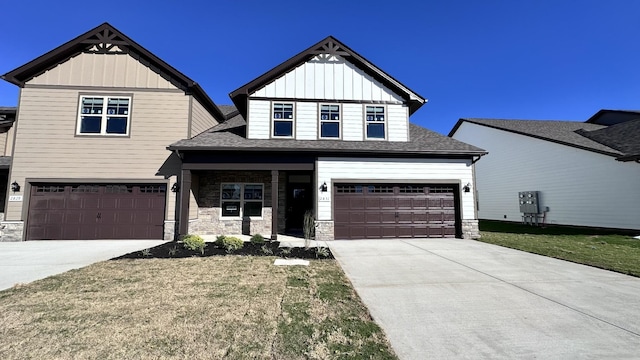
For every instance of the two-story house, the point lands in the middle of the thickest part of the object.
(94, 117)
(326, 132)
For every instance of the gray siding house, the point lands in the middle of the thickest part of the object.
(112, 142)
(585, 173)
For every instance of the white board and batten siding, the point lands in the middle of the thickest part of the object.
(326, 80)
(580, 187)
(332, 170)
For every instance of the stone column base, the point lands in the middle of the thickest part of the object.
(324, 230)
(11, 231)
(470, 229)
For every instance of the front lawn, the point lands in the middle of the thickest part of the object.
(599, 248)
(232, 307)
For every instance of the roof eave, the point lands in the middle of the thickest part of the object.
(311, 150)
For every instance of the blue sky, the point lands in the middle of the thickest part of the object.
(527, 59)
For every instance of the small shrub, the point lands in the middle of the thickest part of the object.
(146, 252)
(285, 251)
(309, 227)
(220, 240)
(194, 242)
(231, 243)
(173, 251)
(322, 252)
(266, 250)
(257, 239)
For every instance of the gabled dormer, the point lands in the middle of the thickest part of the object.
(327, 92)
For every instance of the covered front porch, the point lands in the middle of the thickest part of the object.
(225, 194)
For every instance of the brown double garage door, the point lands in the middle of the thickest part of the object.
(378, 211)
(96, 211)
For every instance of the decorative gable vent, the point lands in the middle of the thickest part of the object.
(330, 48)
(105, 42)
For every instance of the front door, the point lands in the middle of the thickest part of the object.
(299, 201)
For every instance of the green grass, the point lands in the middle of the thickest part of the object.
(229, 307)
(606, 249)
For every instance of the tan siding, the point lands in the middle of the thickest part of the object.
(105, 70)
(47, 146)
(3, 143)
(8, 148)
(201, 119)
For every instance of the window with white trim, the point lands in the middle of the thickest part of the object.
(238, 200)
(104, 115)
(375, 122)
(282, 119)
(329, 121)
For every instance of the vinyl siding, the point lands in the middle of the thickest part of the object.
(332, 170)
(103, 70)
(333, 78)
(327, 80)
(352, 122)
(580, 187)
(3, 143)
(306, 121)
(47, 146)
(201, 119)
(260, 119)
(397, 122)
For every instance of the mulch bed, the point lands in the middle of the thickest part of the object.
(172, 250)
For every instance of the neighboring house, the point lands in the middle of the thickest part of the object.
(585, 173)
(326, 132)
(7, 118)
(94, 118)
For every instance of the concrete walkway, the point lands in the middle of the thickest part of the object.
(26, 261)
(463, 299)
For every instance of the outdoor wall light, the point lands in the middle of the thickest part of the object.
(15, 187)
(175, 188)
(467, 188)
(323, 187)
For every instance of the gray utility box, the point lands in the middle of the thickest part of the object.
(529, 202)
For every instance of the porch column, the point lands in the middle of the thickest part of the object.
(274, 204)
(185, 194)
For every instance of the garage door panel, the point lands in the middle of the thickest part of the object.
(96, 211)
(395, 211)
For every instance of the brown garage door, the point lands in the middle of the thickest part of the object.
(376, 211)
(96, 211)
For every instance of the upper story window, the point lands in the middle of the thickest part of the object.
(283, 119)
(329, 121)
(104, 115)
(375, 121)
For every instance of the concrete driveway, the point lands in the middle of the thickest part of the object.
(26, 261)
(463, 299)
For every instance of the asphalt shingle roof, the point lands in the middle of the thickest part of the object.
(563, 132)
(229, 136)
(624, 137)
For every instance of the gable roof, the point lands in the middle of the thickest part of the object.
(624, 137)
(612, 117)
(332, 46)
(561, 132)
(230, 136)
(107, 39)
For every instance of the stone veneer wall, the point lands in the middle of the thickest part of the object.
(324, 230)
(470, 229)
(209, 220)
(11, 230)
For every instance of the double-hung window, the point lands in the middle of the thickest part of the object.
(104, 115)
(375, 122)
(329, 121)
(240, 200)
(282, 117)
